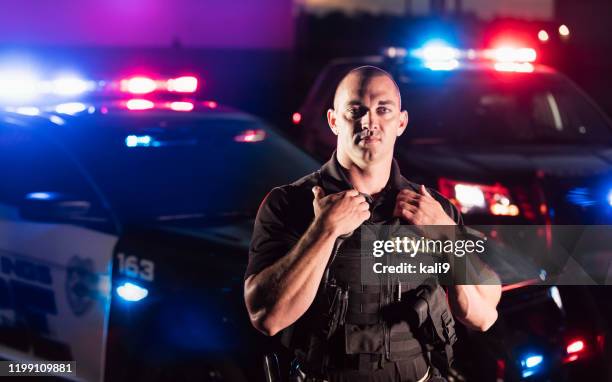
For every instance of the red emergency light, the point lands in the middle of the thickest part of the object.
(181, 106)
(512, 58)
(138, 85)
(296, 118)
(139, 104)
(576, 348)
(185, 84)
(146, 85)
(210, 104)
(511, 54)
(471, 197)
(251, 136)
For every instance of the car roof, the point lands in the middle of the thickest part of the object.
(412, 71)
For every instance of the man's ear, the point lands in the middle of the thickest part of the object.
(331, 121)
(403, 122)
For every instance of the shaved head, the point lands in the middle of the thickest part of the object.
(361, 77)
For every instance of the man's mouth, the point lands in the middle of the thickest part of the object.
(368, 136)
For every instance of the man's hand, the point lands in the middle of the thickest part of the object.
(420, 208)
(340, 213)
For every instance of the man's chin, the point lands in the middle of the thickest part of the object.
(369, 152)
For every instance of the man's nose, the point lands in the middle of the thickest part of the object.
(369, 120)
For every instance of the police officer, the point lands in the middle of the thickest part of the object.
(302, 278)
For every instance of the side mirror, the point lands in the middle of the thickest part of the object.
(53, 207)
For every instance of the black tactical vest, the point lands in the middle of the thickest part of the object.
(355, 326)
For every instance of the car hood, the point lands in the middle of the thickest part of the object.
(237, 235)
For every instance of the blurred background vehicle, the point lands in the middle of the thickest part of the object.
(165, 192)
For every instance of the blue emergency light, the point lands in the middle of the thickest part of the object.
(131, 292)
(138, 140)
(439, 55)
(531, 364)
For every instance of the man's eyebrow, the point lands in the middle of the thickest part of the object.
(354, 103)
(387, 102)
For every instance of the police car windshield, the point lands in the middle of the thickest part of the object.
(483, 108)
(185, 170)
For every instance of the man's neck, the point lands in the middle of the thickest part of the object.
(369, 178)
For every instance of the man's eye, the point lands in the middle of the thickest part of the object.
(383, 110)
(356, 112)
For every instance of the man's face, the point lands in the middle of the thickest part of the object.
(367, 118)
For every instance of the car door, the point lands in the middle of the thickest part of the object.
(56, 243)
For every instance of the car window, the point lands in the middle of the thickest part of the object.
(185, 168)
(474, 108)
(534, 109)
(34, 166)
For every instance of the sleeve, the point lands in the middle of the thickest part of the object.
(450, 209)
(273, 235)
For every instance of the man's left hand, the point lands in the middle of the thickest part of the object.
(420, 208)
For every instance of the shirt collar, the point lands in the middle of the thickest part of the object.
(334, 177)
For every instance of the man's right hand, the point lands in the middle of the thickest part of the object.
(340, 213)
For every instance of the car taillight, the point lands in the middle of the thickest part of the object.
(479, 198)
(575, 349)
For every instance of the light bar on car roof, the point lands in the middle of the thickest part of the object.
(19, 86)
(439, 55)
(25, 86)
(145, 85)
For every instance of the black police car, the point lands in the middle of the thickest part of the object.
(124, 232)
(510, 143)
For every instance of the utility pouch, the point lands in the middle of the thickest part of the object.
(364, 339)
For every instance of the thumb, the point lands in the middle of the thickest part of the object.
(318, 192)
(424, 190)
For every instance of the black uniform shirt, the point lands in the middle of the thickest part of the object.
(287, 211)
